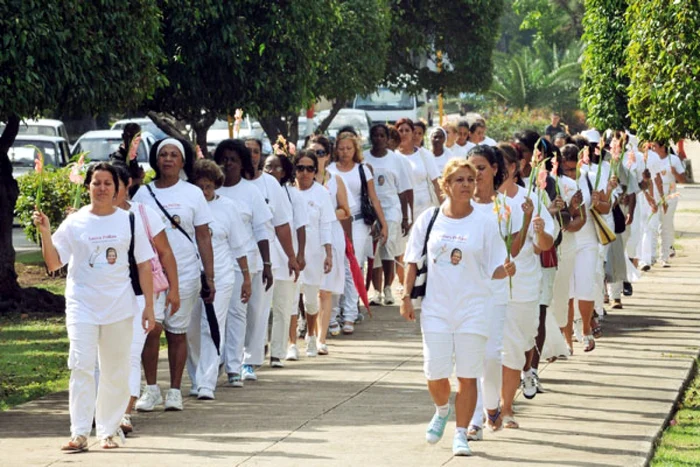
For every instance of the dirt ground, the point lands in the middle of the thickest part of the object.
(41, 294)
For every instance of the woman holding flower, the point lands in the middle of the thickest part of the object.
(455, 310)
(534, 235)
(100, 303)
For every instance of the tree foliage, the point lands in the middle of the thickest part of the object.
(663, 64)
(604, 81)
(463, 30)
(555, 22)
(535, 80)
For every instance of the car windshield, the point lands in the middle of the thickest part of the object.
(99, 149)
(223, 125)
(41, 130)
(385, 99)
(22, 155)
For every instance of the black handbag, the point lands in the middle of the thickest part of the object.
(133, 267)
(369, 215)
(420, 285)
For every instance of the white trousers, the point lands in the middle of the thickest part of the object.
(285, 299)
(202, 358)
(599, 278)
(562, 286)
(237, 324)
(489, 387)
(138, 340)
(650, 238)
(667, 229)
(349, 298)
(519, 332)
(106, 343)
(256, 329)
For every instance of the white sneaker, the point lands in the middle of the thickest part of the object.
(538, 384)
(529, 386)
(205, 394)
(173, 400)
(388, 297)
(376, 299)
(149, 399)
(292, 353)
(193, 392)
(665, 264)
(311, 349)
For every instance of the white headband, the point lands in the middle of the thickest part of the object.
(439, 128)
(174, 142)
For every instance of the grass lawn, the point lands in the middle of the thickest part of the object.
(680, 443)
(33, 356)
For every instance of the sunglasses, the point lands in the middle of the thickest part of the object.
(308, 168)
(321, 153)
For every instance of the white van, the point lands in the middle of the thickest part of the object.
(386, 106)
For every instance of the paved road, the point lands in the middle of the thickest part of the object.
(366, 403)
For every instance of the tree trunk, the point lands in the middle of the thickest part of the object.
(273, 127)
(169, 124)
(9, 191)
(201, 127)
(335, 108)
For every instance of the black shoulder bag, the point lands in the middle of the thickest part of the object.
(369, 215)
(133, 267)
(421, 283)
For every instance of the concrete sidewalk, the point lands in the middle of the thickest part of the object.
(367, 403)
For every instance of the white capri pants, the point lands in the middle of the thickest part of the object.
(583, 280)
(256, 330)
(667, 229)
(393, 246)
(105, 343)
(443, 352)
(519, 332)
(562, 286)
(137, 342)
(237, 324)
(189, 299)
(285, 299)
(310, 292)
(202, 358)
(490, 385)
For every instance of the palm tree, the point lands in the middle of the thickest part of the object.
(532, 79)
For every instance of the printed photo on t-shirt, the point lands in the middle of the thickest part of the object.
(380, 180)
(456, 256)
(111, 255)
(176, 221)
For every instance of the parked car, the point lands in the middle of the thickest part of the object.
(54, 148)
(146, 125)
(387, 106)
(219, 131)
(100, 144)
(358, 119)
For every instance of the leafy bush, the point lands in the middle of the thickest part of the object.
(58, 193)
(502, 124)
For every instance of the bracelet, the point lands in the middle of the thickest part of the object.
(405, 296)
(267, 263)
(244, 270)
(210, 278)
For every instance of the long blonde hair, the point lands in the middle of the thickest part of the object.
(357, 157)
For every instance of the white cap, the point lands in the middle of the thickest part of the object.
(592, 135)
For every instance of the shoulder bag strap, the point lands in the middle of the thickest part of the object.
(167, 214)
(363, 180)
(427, 233)
(132, 221)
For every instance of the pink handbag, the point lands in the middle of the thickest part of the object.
(160, 280)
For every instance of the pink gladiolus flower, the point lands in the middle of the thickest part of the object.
(673, 195)
(292, 149)
(586, 156)
(134, 146)
(542, 178)
(75, 175)
(555, 166)
(200, 155)
(615, 150)
(631, 159)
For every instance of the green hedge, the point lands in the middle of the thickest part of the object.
(502, 124)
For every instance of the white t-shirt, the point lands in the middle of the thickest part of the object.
(336, 228)
(390, 179)
(499, 287)
(586, 236)
(462, 151)
(300, 218)
(526, 281)
(187, 206)
(422, 168)
(667, 177)
(442, 160)
(256, 217)
(318, 231)
(96, 249)
(155, 223)
(227, 238)
(462, 256)
(489, 141)
(353, 184)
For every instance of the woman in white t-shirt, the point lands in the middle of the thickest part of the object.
(286, 291)
(183, 209)
(441, 154)
(228, 238)
(167, 261)
(333, 283)
(100, 303)
(464, 255)
(532, 234)
(490, 172)
(319, 250)
(349, 162)
(235, 160)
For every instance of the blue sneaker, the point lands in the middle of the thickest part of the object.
(436, 428)
(248, 373)
(460, 445)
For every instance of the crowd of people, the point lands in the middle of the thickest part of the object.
(510, 250)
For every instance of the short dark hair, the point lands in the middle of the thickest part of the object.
(307, 153)
(580, 141)
(238, 146)
(569, 153)
(379, 126)
(188, 155)
(528, 138)
(404, 121)
(477, 124)
(206, 168)
(102, 166)
(122, 172)
(348, 129)
(420, 124)
(511, 155)
(287, 166)
(323, 141)
(463, 124)
(494, 156)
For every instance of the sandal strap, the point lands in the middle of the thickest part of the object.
(494, 417)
